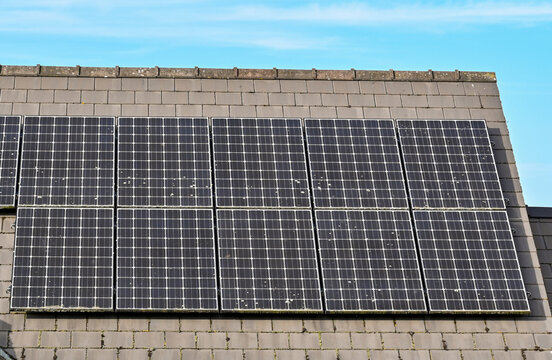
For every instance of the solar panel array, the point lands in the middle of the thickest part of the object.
(63, 259)
(268, 261)
(260, 163)
(166, 259)
(355, 164)
(369, 261)
(164, 162)
(9, 157)
(354, 248)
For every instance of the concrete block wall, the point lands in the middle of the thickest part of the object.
(274, 93)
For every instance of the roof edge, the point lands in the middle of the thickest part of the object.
(239, 73)
(539, 212)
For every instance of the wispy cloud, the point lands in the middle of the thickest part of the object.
(361, 14)
(276, 27)
(177, 27)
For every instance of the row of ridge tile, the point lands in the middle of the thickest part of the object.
(238, 73)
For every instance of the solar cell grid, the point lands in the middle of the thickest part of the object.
(9, 155)
(355, 164)
(166, 260)
(267, 261)
(260, 163)
(470, 262)
(63, 259)
(67, 161)
(450, 164)
(164, 162)
(369, 261)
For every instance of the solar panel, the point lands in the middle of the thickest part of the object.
(260, 163)
(369, 261)
(164, 162)
(67, 161)
(450, 164)
(63, 259)
(9, 155)
(166, 260)
(469, 262)
(355, 164)
(267, 261)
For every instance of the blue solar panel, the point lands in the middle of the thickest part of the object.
(450, 164)
(355, 164)
(164, 162)
(267, 261)
(166, 260)
(369, 261)
(9, 156)
(63, 259)
(67, 161)
(260, 163)
(470, 262)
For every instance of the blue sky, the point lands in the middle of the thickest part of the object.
(514, 39)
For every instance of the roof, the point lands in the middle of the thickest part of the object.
(539, 212)
(238, 73)
(201, 92)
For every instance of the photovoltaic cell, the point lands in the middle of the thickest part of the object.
(267, 261)
(469, 262)
(355, 164)
(166, 260)
(450, 164)
(369, 261)
(260, 163)
(63, 259)
(67, 161)
(9, 155)
(164, 162)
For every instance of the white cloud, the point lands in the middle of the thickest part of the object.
(360, 14)
(274, 27)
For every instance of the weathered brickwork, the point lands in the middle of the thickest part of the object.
(232, 92)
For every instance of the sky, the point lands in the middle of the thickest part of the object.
(513, 39)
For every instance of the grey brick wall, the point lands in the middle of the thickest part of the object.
(541, 224)
(302, 94)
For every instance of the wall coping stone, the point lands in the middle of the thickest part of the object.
(237, 73)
